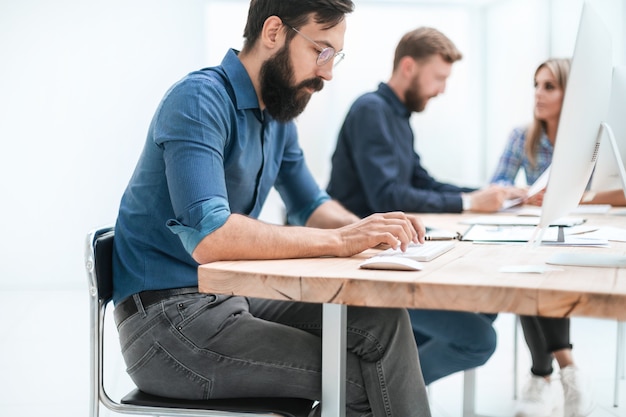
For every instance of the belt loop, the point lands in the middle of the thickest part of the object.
(139, 305)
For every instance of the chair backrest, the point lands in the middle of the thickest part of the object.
(99, 262)
(99, 266)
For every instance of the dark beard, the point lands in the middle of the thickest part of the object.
(413, 101)
(283, 100)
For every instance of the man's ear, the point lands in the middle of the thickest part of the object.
(408, 66)
(272, 33)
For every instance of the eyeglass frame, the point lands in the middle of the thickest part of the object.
(340, 55)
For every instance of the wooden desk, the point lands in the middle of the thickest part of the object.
(466, 278)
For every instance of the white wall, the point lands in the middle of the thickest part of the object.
(80, 79)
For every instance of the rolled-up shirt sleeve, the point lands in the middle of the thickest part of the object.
(211, 216)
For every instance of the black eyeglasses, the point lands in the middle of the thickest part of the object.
(326, 54)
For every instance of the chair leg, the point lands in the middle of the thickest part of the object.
(469, 393)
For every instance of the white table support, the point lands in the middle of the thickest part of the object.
(334, 322)
(334, 319)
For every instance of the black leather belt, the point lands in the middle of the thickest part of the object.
(128, 307)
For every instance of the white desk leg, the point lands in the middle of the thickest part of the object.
(334, 360)
(469, 393)
(619, 361)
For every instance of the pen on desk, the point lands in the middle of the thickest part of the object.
(428, 237)
(458, 236)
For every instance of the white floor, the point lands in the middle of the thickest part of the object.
(44, 362)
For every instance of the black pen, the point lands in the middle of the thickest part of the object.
(458, 236)
(433, 238)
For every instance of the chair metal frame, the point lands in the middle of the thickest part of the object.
(98, 263)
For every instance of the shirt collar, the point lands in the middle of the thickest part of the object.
(240, 81)
(390, 96)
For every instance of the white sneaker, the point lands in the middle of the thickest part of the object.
(536, 399)
(576, 392)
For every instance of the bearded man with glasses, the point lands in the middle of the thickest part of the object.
(219, 140)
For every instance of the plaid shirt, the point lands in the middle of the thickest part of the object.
(513, 159)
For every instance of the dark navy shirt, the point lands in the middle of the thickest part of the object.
(375, 167)
(210, 152)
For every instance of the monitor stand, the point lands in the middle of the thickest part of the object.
(593, 258)
(536, 238)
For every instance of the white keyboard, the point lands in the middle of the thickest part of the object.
(422, 252)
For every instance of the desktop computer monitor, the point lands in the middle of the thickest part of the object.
(609, 173)
(585, 107)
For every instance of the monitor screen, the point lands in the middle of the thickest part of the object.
(609, 172)
(585, 107)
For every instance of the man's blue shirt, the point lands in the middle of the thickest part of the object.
(375, 167)
(210, 152)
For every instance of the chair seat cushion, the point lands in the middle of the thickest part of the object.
(288, 407)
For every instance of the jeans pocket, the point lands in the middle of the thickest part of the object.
(200, 319)
(157, 372)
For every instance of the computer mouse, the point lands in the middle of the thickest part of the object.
(398, 263)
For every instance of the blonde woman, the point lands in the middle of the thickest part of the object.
(530, 149)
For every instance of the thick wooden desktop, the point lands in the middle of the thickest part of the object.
(467, 278)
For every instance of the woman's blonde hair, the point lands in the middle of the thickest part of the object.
(559, 67)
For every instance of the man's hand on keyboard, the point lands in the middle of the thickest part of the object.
(395, 229)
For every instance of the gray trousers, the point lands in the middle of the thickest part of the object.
(201, 346)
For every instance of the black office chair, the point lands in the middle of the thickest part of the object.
(98, 262)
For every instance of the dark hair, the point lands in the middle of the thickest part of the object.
(295, 13)
(424, 42)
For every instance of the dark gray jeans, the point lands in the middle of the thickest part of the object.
(200, 346)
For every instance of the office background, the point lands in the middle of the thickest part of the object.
(79, 81)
